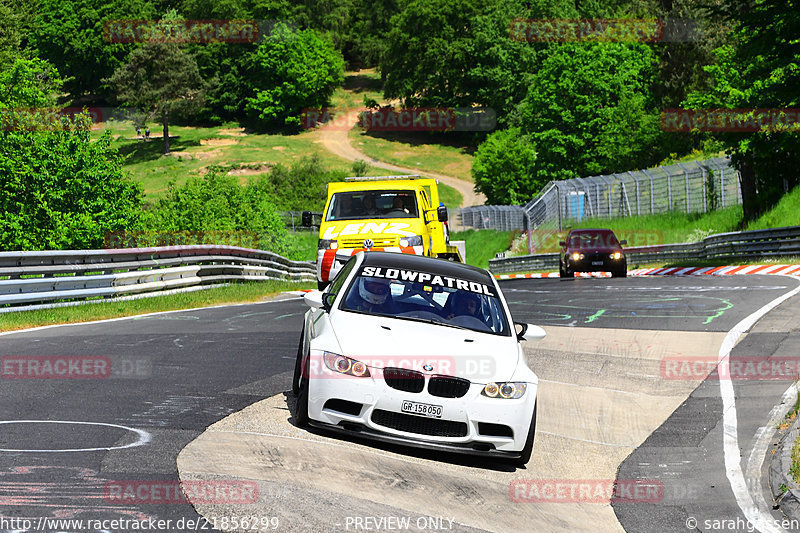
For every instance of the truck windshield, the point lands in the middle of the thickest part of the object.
(372, 204)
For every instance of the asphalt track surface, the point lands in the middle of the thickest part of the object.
(174, 374)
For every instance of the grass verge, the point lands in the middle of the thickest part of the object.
(234, 293)
(483, 245)
(448, 154)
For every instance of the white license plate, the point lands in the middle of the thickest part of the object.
(422, 409)
(597, 263)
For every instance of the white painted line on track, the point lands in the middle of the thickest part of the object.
(757, 515)
(144, 436)
(762, 439)
(143, 315)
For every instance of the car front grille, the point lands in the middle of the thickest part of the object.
(377, 242)
(420, 425)
(404, 380)
(448, 386)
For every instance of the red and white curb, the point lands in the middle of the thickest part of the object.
(785, 270)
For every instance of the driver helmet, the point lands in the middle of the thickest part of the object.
(374, 290)
(465, 298)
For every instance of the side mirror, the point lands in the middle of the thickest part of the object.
(441, 212)
(313, 299)
(327, 300)
(562, 243)
(308, 219)
(623, 242)
(529, 332)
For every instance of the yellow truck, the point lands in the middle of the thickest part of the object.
(390, 213)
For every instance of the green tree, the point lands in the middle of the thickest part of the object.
(760, 69)
(446, 53)
(71, 35)
(60, 188)
(590, 110)
(505, 168)
(289, 71)
(161, 80)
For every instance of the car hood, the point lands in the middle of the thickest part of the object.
(383, 342)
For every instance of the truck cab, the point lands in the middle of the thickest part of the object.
(390, 213)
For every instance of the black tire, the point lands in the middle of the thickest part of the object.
(561, 273)
(322, 285)
(297, 363)
(528, 449)
(620, 274)
(568, 273)
(301, 407)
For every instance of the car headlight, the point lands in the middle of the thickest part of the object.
(510, 390)
(325, 244)
(415, 240)
(345, 365)
(577, 257)
(616, 255)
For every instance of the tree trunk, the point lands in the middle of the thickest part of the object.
(747, 179)
(165, 121)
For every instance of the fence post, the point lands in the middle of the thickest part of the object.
(705, 186)
(686, 178)
(669, 185)
(636, 182)
(652, 198)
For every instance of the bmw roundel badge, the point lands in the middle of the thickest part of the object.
(427, 367)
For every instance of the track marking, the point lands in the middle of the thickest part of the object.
(144, 436)
(144, 315)
(757, 515)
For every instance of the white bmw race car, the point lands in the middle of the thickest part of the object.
(418, 351)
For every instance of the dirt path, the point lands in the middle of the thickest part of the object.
(334, 138)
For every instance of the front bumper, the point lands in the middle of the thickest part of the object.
(491, 426)
(591, 263)
(329, 262)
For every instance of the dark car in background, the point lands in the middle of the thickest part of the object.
(592, 250)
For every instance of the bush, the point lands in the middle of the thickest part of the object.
(504, 168)
(216, 202)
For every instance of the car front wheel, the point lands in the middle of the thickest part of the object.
(528, 449)
(301, 407)
(298, 363)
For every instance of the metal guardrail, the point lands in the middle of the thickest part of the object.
(776, 242)
(47, 276)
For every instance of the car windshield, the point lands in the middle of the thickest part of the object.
(426, 297)
(593, 240)
(372, 204)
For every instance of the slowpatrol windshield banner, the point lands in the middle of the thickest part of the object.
(426, 278)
